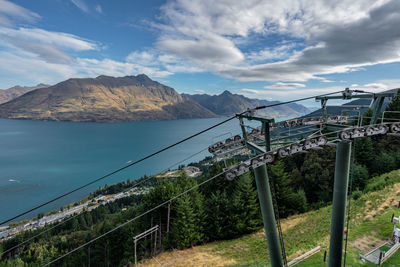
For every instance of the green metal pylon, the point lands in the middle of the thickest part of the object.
(267, 211)
(341, 183)
(378, 104)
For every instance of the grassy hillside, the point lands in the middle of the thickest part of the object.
(369, 226)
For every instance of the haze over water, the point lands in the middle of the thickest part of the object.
(40, 160)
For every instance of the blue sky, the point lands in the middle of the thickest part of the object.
(262, 49)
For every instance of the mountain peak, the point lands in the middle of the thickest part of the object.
(143, 77)
(226, 92)
(104, 98)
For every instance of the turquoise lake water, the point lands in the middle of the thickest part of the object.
(40, 160)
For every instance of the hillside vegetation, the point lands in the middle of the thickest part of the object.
(369, 226)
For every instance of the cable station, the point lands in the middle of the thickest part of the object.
(272, 141)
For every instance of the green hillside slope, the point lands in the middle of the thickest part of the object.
(369, 226)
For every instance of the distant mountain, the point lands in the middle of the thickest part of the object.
(16, 91)
(228, 104)
(104, 99)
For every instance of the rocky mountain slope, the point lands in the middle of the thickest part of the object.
(104, 99)
(228, 104)
(16, 91)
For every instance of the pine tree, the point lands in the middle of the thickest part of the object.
(218, 217)
(184, 229)
(364, 151)
(246, 210)
(318, 173)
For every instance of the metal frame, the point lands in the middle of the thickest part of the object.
(143, 235)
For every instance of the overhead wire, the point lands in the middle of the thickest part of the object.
(116, 171)
(158, 152)
(135, 218)
(78, 214)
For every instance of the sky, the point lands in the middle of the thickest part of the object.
(272, 49)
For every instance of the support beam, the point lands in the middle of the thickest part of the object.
(267, 210)
(267, 136)
(342, 168)
(378, 104)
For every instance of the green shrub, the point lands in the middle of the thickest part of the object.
(356, 194)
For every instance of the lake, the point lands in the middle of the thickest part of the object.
(42, 159)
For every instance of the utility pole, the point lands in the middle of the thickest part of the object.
(267, 210)
(341, 183)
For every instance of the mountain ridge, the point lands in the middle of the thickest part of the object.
(130, 98)
(228, 103)
(16, 91)
(104, 99)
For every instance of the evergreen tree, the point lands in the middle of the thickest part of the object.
(246, 210)
(218, 216)
(384, 162)
(318, 172)
(364, 151)
(283, 192)
(359, 176)
(183, 228)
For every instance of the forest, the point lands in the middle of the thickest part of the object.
(217, 210)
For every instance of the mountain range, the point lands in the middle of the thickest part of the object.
(16, 91)
(228, 104)
(129, 98)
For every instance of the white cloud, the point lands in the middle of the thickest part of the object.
(81, 5)
(339, 36)
(282, 51)
(50, 46)
(286, 94)
(11, 10)
(18, 67)
(206, 52)
(157, 59)
(281, 85)
(59, 39)
(34, 55)
(375, 87)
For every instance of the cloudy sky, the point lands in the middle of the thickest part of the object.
(265, 49)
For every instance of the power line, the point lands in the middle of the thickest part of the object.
(156, 153)
(33, 237)
(76, 215)
(118, 170)
(133, 219)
